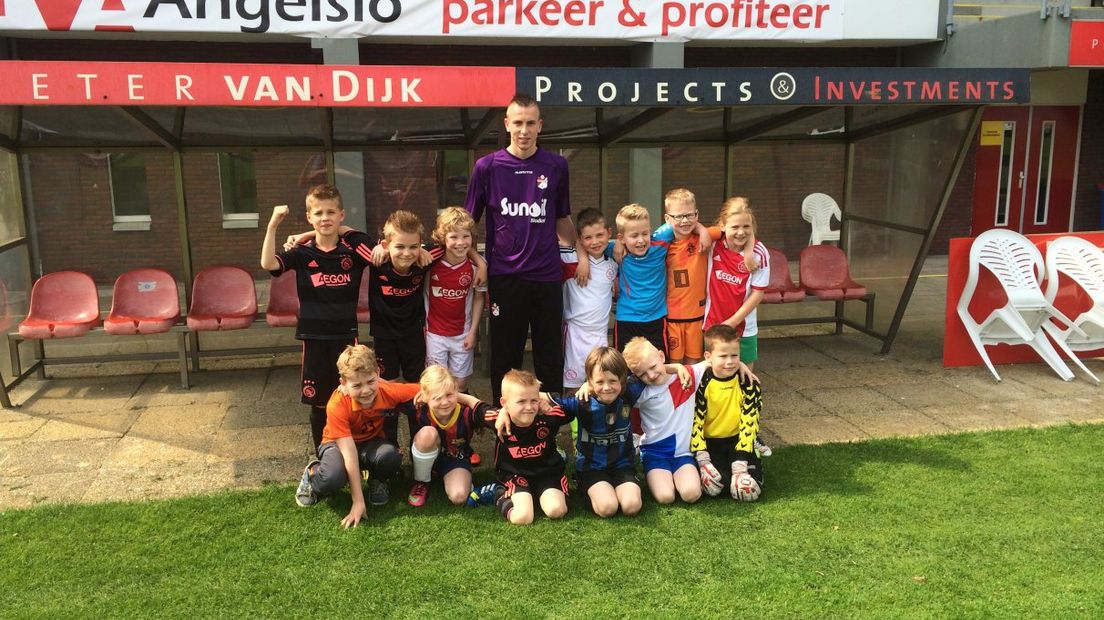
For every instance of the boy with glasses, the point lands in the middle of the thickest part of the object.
(687, 262)
(687, 268)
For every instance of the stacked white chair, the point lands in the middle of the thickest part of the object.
(1018, 266)
(819, 209)
(1083, 263)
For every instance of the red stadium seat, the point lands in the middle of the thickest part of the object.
(363, 314)
(145, 301)
(283, 301)
(826, 274)
(781, 288)
(64, 304)
(223, 298)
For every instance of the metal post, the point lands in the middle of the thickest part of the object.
(848, 197)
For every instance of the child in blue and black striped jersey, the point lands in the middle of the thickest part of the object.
(605, 460)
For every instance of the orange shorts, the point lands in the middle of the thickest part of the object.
(684, 340)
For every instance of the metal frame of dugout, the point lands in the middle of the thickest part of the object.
(473, 128)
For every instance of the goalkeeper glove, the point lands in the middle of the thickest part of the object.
(744, 487)
(710, 477)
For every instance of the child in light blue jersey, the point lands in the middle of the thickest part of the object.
(642, 283)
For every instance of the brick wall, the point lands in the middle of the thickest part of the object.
(957, 217)
(72, 198)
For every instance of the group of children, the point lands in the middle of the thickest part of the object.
(696, 424)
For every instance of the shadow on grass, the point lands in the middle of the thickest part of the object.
(813, 469)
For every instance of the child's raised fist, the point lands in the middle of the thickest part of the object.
(279, 212)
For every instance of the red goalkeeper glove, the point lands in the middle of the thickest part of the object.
(744, 488)
(710, 477)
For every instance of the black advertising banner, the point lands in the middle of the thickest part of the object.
(564, 86)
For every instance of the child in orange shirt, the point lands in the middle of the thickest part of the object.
(353, 439)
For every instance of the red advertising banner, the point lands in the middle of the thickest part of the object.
(1086, 44)
(198, 84)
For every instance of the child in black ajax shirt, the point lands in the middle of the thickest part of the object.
(527, 463)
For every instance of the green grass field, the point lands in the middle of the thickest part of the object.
(1005, 524)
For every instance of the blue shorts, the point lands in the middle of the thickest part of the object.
(445, 463)
(669, 463)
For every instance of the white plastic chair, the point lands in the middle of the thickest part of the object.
(1017, 265)
(818, 209)
(1083, 263)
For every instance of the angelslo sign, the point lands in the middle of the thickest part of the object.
(767, 86)
(609, 20)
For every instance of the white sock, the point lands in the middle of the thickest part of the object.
(423, 463)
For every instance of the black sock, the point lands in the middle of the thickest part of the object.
(317, 422)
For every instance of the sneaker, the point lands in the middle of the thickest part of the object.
(487, 493)
(475, 460)
(305, 495)
(418, 493)
(378, 493)
(484, 495)
(762, 448)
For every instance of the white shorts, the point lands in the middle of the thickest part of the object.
(579, 341)
(448, 351)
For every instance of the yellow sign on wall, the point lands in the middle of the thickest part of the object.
(991, 133)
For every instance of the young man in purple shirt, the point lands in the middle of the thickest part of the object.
(522, 190)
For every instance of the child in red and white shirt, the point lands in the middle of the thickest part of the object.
(734, 291)
(454, 304)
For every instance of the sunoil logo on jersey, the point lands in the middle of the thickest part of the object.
(535, 211)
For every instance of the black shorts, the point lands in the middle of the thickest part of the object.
(654, 332)
(319, 378)
(397, 358)
(723, 452)
(534, 485)
(615, 477)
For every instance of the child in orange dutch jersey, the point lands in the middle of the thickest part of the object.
(687, 267)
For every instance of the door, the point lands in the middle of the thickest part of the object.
(1024, 169)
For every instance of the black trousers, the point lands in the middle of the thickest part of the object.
(518, 307)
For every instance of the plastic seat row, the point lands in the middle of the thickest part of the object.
(824, 273)
(65, 304)
(1027, 315)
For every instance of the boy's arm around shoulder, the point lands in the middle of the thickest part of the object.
(752, 405)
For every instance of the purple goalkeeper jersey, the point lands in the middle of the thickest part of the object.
(522, 199)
